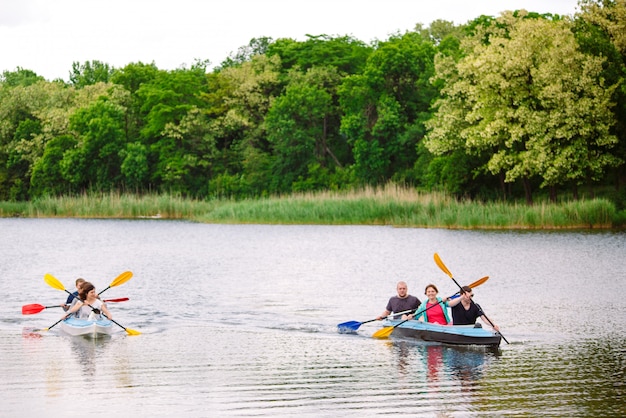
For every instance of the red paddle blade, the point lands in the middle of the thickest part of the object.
(33, 308)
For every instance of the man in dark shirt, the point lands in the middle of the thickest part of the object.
(465, 311)
(401, 303)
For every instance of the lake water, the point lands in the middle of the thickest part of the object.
(241, 320)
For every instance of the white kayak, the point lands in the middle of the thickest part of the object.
(89, 328)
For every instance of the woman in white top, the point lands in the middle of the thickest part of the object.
(89, 304)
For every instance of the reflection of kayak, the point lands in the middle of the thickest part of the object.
(448, 334)
(74, 326)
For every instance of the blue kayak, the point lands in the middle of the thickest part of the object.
(447, 334)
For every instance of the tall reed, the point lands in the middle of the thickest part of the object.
(398, 206)
(108, 205)
(389, 205)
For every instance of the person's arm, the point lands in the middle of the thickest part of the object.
(385, 314)
(452, 302)
(68, 302)
(484, 317)
(492, 325)
(73, 309)
(422, 312)
(106, 311)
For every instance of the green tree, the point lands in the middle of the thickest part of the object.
(238, 100)
(297, 125)
(190, 152)
(22, 107)
(609, 15)
(19, 77)
(531, 101)
(134, 168)
(438, 30)
(131, 78)
(96, 161)
(168, 96)
(47, 178)
(385, 107)
(90, 72)
(165, 99)
(256, 46)
(347, 54)
(601, 31)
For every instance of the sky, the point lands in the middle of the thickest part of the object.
(47, 36)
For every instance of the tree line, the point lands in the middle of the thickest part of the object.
(497, 108)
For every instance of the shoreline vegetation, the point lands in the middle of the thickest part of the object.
(389, 205)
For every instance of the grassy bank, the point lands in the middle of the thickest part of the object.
(391, 205)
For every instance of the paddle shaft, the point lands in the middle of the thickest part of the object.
(395, 314)
(51, 326)
(356, 324)
(489, 320)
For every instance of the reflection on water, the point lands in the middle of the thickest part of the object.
(438, 362)
(240, 320)
(87, 352)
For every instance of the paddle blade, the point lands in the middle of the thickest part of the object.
(32, 309)
(350, 325)
(51, 326)
(116, 300)
(53, 281)
(128, 330)
(479, 282)
(383, 332)
(121, 279)
(441, 265)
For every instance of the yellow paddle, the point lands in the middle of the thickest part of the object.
(121, 279)
(54, 282)
(449, 273)
(386, 332)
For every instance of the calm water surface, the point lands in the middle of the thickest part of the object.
(240, 320)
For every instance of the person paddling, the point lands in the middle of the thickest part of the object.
(89, 306)
(434, 309)
(465, 311)
(401, 303)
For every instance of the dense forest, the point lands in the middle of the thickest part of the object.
(499, 108)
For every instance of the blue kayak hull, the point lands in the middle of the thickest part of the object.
(81, 327)
(446, 334)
